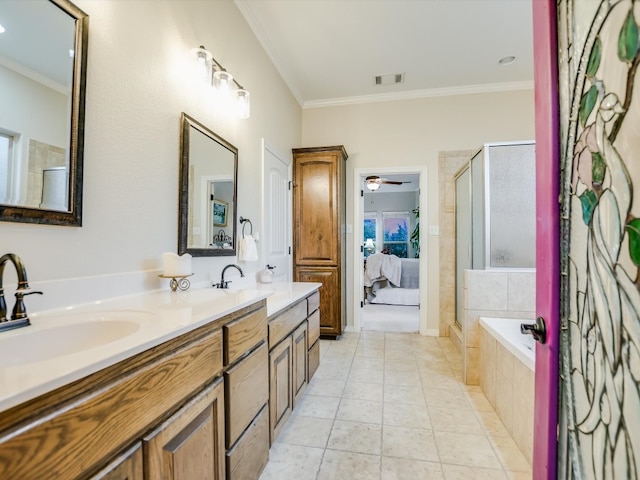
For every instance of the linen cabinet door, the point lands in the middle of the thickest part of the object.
(300, 361)
(316, 209)
(190, 444)
(280, 386)
(331, 319)
(127, 466)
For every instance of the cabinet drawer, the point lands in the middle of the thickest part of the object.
(284, 323)
(127, 466)
(249, 456)
(246, 391)
(314, 327)
(314, 358)
(83, 432)
(300, 363)
(313, 303)
(243, 334)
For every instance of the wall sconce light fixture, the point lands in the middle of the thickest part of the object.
(223, 81)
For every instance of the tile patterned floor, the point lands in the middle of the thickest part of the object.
(392, 406)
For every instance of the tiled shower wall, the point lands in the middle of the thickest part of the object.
(449, 163)
(493, 293)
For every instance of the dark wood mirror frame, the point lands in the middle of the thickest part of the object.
(187, 123)
(72, 217)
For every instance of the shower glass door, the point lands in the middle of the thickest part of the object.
(463, 237)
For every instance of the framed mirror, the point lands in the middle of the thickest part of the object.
(208, 191)
(43, 63)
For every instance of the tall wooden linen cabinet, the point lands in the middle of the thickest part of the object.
(319, 211)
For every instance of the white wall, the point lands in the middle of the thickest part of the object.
(411, 133)
(138, 83)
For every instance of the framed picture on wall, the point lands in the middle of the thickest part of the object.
(220, 210)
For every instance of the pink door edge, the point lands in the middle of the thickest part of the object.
(545, 443)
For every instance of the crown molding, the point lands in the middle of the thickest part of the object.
(414, 94)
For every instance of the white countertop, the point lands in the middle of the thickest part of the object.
(63, 346)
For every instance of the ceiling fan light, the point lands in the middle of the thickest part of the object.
(373, 186)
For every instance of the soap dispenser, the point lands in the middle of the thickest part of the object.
(266, 275)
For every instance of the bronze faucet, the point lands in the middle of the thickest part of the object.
(223, 283)
(19, 316)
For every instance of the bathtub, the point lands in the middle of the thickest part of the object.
(507, 332)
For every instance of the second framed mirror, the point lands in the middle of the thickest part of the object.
(208, 191)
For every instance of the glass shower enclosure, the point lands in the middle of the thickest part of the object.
(495, 212)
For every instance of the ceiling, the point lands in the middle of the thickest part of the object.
(329, 51)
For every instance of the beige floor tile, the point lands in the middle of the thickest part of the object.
(465, 449)
(317, 406)
(479, 401)
(491, 423)
(355, 437)
(509, 454)
(375, 363)
(371, 335)
(412, 443)
(404, 394)
(326, 387)
(406, 415)
(457, 472)
(365, 411)
(439, 381)
(519, 475)
(411, 379)
(405, 469)
(441, 398)
(364, 391)
(454, 420)
(292, 461)
(403, 365)
(376, 351)
(435, 366)
(366, 375)
(331, 372)
(338, 465)
(306, 431)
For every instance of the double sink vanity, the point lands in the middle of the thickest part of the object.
(187, 385)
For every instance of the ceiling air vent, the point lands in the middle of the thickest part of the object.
(389, 79)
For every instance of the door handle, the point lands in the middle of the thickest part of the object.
(538, 330)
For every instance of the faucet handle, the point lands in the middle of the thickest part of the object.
(19, 309)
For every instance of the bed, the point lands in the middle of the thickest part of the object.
(391, 280)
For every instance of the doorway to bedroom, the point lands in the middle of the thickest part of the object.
(390, 252)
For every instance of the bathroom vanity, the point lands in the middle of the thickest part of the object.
(184, 396)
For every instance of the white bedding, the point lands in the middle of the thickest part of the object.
(397, 296)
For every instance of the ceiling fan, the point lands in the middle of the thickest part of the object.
(373, 182)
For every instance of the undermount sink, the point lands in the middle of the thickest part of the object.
(68, 334)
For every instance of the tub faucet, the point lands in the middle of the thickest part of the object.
(225, 283)
(19, 316)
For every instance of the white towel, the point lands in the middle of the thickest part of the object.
(248, 250)
(392, 269)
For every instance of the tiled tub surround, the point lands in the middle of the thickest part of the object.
(507, 377)
(493, 293)
(391, 406)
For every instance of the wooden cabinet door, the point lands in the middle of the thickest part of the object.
(190, 444)
(331, 320)
(316, 209)
(280, 386)
(300, 361)
(127, 466)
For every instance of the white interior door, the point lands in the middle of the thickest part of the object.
(277, 212)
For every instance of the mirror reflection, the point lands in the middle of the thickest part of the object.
(208, 180)
(42, 79)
